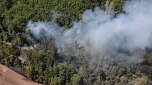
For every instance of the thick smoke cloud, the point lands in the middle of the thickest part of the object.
(98, 34)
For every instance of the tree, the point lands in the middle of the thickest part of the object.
(75, 79)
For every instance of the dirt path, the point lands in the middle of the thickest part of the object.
(9, 77)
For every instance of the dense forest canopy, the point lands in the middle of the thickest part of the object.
(15, 14)
(40, 61)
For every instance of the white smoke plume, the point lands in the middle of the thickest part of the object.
(97, 35)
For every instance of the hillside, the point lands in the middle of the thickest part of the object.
(76, 42)
(9, 77)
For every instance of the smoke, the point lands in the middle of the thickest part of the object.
(98, 34)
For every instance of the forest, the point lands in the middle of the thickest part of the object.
(39, 60)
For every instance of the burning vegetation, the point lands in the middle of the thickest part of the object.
(100, 42)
